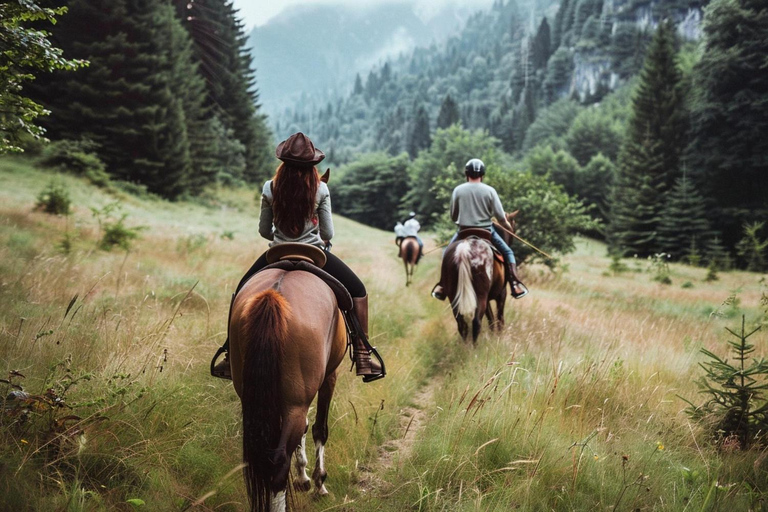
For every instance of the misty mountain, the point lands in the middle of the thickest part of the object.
(315, 51)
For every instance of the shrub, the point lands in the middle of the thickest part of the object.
(659, 267)
(77, 157)
(736, 409)
(114, 231)
(752, 248)
(54, 199)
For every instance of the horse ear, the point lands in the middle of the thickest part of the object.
(327, 176)
(513, 214)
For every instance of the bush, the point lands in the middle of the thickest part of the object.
(54, 199)
(736, 409)
(659, 267)
(77, 157)
(114, 231)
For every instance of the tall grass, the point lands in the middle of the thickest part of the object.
(573, 407)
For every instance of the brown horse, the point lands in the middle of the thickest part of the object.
(287, 338)
(467, 276)
(409, 251)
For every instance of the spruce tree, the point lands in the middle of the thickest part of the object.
(730, 114)
(127, 99)
(420, 134)
(542, 45)
(649, 158)
(683, 225)
(449, 112)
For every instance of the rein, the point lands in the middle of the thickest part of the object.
(506, 231)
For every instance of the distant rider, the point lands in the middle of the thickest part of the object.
(411, 228)
(473, 205)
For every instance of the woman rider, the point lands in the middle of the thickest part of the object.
(296, 207)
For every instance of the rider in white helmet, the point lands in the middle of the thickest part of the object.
(473, 205)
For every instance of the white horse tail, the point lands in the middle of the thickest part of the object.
(466, 300)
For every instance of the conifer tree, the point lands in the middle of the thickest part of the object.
(649, 158)
(684, 225)
(541, 45)
(358, 89)
(420, 133)
(730, 114)
(449, 113)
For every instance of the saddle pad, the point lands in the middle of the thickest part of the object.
(343, 298)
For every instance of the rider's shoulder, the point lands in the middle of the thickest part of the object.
(267, 188)
(323, 189)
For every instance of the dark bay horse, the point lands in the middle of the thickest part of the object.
(409, 252)
(287, 338)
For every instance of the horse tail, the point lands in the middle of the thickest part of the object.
(466, 300)
(265, 327)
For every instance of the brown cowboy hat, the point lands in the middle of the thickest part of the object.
(298, 149)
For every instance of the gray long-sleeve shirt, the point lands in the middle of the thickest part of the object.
(316, 229)
(473, 205)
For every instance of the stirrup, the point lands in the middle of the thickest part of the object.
(518, 295)
(373, 353)
(214, 372)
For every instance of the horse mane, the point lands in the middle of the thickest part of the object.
(265, 323)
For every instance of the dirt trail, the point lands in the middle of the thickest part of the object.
(397, 451)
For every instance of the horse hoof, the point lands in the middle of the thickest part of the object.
(303, 486)
(322, 491)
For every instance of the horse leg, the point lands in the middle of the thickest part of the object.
(477, 320)
(407, 277)
(320, 432)
(489, 316)
(461, 323)
(293, 429)
(500, 300)
(303, 483)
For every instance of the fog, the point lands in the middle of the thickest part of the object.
(256, 13)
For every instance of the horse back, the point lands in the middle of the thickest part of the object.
(311, 328)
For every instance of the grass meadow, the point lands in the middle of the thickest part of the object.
(576, 405)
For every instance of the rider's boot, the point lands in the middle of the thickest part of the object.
(370, 368)
(518, 289)
(222, 369)
(438, 292)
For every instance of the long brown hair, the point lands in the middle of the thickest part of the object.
(294, 189)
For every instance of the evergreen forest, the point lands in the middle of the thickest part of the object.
(648, 114)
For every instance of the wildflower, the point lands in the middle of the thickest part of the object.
(24, 441)
(659, 445)
(596, 457)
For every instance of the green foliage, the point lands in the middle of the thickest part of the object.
(658, 265)
(593, 184)
(443, 163)
(548, 218)
(729, 114)
(752, 248)
(684, 228)
(76, 157)
(449, 113)
(591, 133)
(649, 158)
(552, 125)
(25, 51)
(114, 231)
(54, 199)
(420, 137)
(371, 189)
(617, 266)
(736, 409)
(559, 166)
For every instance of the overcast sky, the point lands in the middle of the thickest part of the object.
(258, 12)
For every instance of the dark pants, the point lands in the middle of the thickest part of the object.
(333, 266)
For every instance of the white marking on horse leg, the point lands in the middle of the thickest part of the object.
(278, 502)
(320, 473)
(303, 483)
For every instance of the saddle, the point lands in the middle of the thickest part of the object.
(292, 256)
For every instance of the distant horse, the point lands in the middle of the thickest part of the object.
(409, 251)
(468, 276)
(287, 338)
